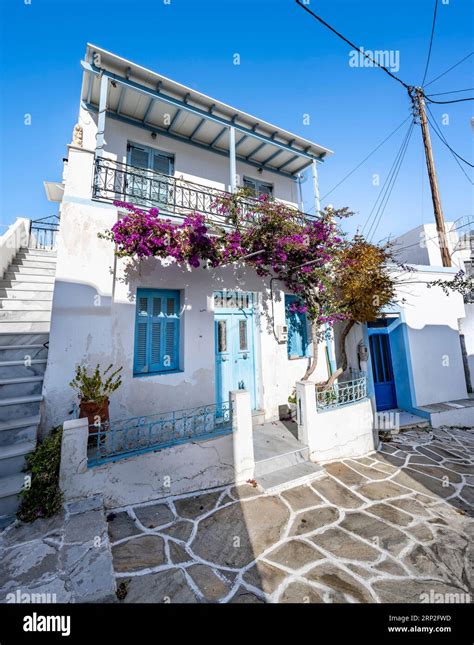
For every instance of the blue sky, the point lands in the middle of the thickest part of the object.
(290, 66)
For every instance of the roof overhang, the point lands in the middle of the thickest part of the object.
(142, 97)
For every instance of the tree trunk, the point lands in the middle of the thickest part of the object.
(342, 344)
(314, 358)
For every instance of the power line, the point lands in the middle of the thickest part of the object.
(387, 184)
(365, 158)
(323, 22)
(382, 207)
(468, 89)
(440, 136)
(431, 42)
(397, 249)
(469, 98)
(449, 69)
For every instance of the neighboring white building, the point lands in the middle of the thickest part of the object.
(414, 357)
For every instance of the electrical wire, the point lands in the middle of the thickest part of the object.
(469, 98)
(365, 158)
(468, 89)
(387, 187)
(383, 206)
(431, 42)
(441, 136)
(323, 22)
(449, 69)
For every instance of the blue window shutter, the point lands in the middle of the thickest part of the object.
(156, 331)
(297, 329)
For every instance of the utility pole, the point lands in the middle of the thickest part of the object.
(418, 98)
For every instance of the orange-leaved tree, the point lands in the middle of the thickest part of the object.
(365, 285)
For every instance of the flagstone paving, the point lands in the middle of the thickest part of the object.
(394, 526)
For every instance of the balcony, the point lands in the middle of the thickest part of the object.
(176, 197)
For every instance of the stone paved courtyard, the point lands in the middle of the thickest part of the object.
(396, 526)
(384, 528)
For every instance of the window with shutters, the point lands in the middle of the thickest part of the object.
(156, 332)
(148, 185)
(258, 187)
(297, 324)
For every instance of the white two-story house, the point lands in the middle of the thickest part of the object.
(145, 139)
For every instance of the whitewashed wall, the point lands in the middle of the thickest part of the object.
(93, 315)
(467, 328)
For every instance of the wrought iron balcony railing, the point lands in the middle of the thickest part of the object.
(342, 393)
(115, 440)
(43, 233)
(114, 180)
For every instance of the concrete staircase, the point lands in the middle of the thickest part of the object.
(26, 293)
(281, 461)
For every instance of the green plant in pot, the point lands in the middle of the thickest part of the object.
(94, 391)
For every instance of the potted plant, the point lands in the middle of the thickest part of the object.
(94, 391)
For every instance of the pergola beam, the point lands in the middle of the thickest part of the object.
(203, 113)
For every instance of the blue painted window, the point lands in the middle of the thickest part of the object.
(297, 329)
(156, 331)
(258, 187)
(150, 159)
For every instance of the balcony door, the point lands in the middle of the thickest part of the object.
(149, 178)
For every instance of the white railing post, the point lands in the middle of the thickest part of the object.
(232, 166)
(306, 412)
(244, 461)
(73, 451)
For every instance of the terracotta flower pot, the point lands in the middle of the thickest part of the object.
(94, 412)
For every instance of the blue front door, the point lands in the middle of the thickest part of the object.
(234, 354)
(384, 382)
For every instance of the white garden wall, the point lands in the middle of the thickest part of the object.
(176, 470)
(338, 433)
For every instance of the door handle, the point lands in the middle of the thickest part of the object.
(244, 356)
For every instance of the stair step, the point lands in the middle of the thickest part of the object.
(15, 424)
(26, 294)
(22, 269)
(16, 304)
(19, 407)
(32, 264)
(21, 386)
(13, 457)
(24, 285)
(288, 477)
(19, 430)
(20, 379)
(22, 353)
(22, 368)
(284, 460)
(42, 279)
(21, 400)
(7, 327)
(38, 252)
(10, 489)
(28, 315)
(20, 339)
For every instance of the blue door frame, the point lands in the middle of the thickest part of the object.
(234, 352)
(382, 369)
